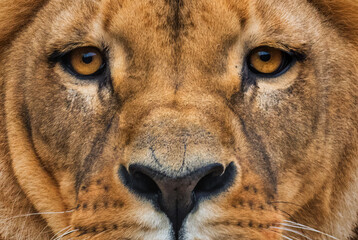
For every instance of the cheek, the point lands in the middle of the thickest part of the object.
(283, 82)
(68, 145)
(286, 120)
(62, 106)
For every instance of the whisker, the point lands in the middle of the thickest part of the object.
(66, 233)
(298, 225)
(289, 215)
(36, 214)
(294, 238)
(285, 202)
(59, 232)
(285, 237)
(42, 231)
(282, 235)
(292, 231)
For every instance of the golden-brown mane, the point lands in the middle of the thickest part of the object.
(14, 15)
(343, 14)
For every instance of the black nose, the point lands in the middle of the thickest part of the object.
(176, 197)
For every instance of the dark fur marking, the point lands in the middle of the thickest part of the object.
(108, 17)
(243, 22)
(96, 150)
(356, 234)
(251, 204)
(118, 203)
(247, 79)
(105, 84)
(83, 231)
(256, 142)
(24, 113)
(184, 156)
(155, 157)
(176, 24)
(175, 19)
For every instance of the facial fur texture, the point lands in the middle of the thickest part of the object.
(176, 96)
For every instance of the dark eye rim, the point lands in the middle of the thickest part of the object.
(289, 59)
(64, 60)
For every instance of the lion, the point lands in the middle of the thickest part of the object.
(178, 119)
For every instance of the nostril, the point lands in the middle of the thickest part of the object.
(215, 181)
(209, 181)
(139, 182)
(144, 184)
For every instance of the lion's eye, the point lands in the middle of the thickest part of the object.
(84, 61)
(269, 62)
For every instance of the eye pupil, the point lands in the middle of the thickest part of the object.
(264, 56)
(87, 58)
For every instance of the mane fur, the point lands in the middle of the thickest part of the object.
(14, 16)
(343, 14)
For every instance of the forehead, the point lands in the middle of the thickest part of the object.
(205, 22)
(169, 21)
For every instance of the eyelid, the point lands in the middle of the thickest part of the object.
(299, 52)
(57, 53)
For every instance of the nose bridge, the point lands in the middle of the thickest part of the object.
(175, 142)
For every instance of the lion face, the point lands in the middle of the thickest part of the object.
(184, 119)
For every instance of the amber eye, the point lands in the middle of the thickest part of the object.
(269, 62)
(84, 61)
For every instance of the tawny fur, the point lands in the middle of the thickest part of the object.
(163, 75)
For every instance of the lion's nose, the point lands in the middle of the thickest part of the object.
(176, 197)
